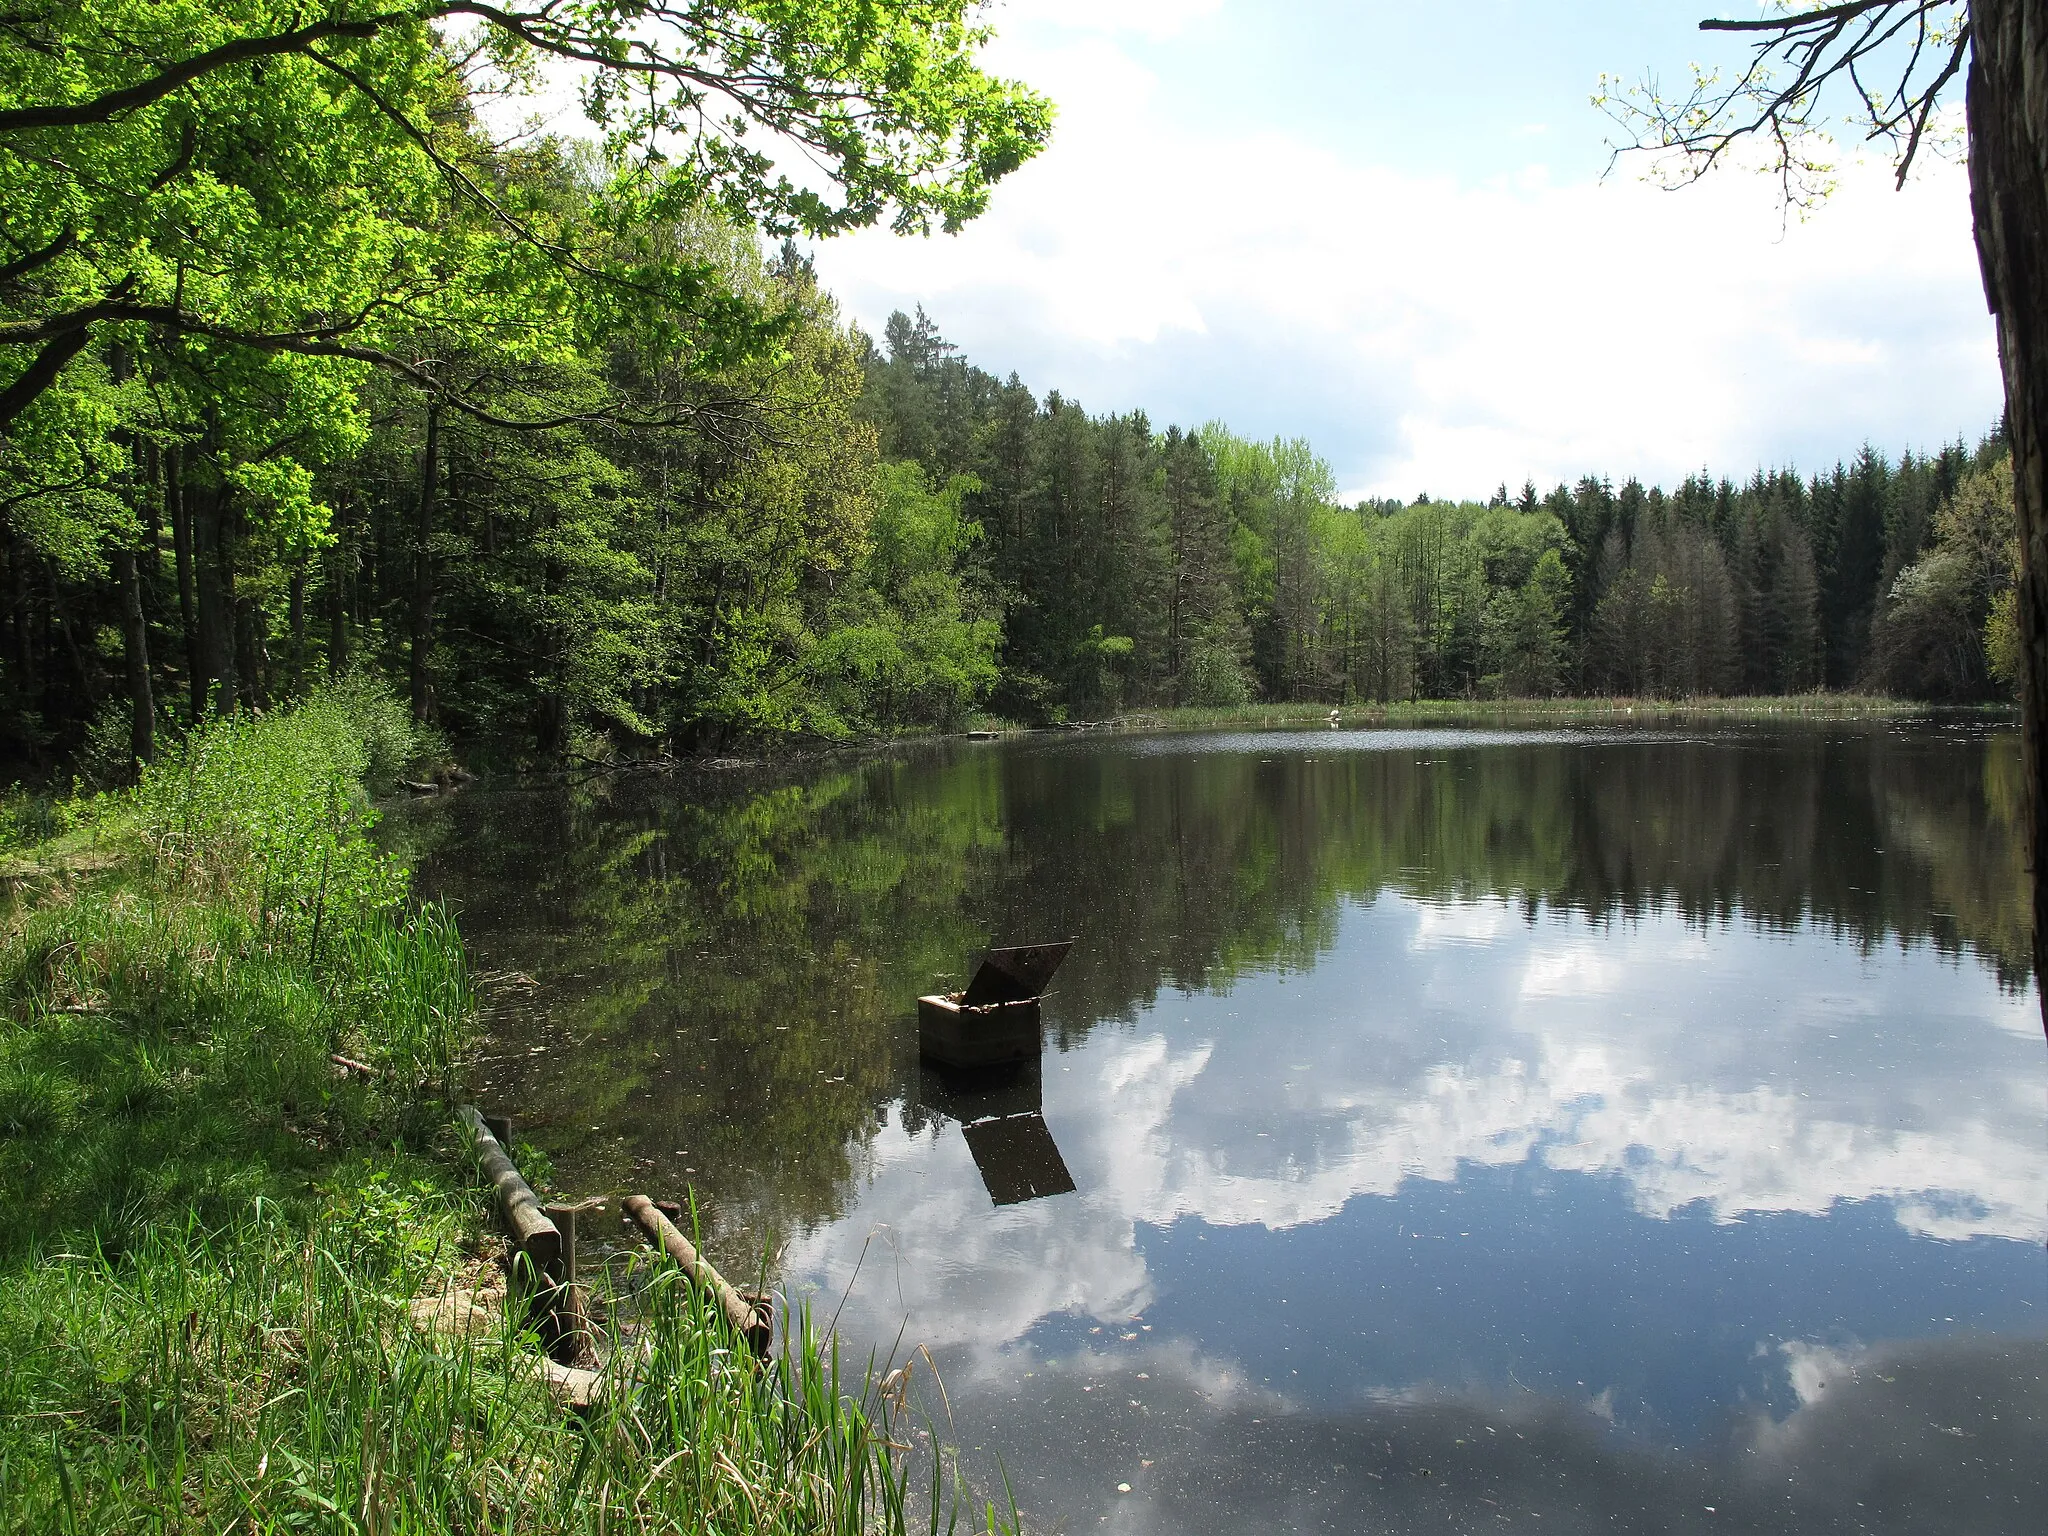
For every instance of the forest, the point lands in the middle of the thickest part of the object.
(578, 453)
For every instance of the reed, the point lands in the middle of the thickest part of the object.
(275, 1376)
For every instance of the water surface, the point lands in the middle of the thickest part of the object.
(1581, 1129)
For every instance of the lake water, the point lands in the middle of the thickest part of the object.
(1437, 1130)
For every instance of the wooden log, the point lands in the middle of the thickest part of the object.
(752, 1321)
(536, 1241)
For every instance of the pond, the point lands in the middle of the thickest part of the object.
(1631, 1130)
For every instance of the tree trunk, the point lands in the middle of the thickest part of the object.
(213, 567)
(251, 658)
(188, 603)
(2008, 112)
(21, 626)
(245, 621)
(338, 557)
(295, 674)
(135, 650)
(423, 565)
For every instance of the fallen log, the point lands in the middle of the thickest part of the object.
(753, 1321)
(536, 1241)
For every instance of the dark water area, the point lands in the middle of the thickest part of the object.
(1436, 1130)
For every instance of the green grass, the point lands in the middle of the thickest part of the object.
(271, 1376)
(214, 1244)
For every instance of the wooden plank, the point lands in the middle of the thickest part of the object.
(751, 1321)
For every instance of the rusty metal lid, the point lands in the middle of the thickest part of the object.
(1014, 975)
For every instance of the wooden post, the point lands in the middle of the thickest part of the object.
(564, 1216)
(574, 1336)
(754, 1322)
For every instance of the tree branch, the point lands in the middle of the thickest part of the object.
(67, 334)
(24, 264)
(40, 374)
(1926, 43)
(112, 104)
(1804, 20)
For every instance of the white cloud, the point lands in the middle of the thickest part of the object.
(1615, 1069)
(1430, 334)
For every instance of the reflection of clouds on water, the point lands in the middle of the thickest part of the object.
(1728, 1069)
(1438, 923)
(929, 1245)
(1875, 1448)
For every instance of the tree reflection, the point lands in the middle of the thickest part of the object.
(727, 966)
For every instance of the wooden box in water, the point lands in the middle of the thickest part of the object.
(961, 1034)
(997, 1019)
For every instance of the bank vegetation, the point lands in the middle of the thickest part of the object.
(244, 1290)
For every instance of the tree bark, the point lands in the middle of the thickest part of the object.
(2008, 116)
(338, 557)
(423, 565)
(188, 602)
(135, 651)
(213, 566)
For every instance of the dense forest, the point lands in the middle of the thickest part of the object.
(1194, 567)
(308, 372)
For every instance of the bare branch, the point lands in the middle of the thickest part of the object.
(1826, 13)
(1921, 44)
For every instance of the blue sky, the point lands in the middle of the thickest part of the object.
(1384, 227)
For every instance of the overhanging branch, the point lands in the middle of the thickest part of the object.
(112, 104)
(64, 336)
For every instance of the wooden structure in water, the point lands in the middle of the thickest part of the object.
(997, 1020)
(751, 1317)
(543, 1279)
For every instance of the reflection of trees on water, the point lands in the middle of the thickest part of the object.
(728, 967)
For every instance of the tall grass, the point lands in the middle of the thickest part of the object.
(212, 1243)
(270, 813)
(273, 1376)
(160, 1059)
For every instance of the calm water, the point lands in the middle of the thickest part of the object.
(1437, 1130)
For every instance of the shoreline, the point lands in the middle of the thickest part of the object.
(1531, 712)
(250, 1264)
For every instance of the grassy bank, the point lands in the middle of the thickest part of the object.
(1518, 712)
(228, 1273)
